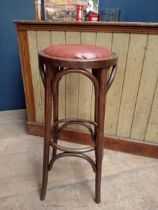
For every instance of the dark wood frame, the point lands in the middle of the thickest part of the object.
(55, 69)
(115, 27)
(42, 9)
(32, 127)
(27, 77)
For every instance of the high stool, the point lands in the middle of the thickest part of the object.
(56, 61)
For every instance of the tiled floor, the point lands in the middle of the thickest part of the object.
(128, 182)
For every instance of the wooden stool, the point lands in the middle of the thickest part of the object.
(55, 62)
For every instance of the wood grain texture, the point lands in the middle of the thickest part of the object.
(123, 145)
(120, 44)
(43, 41)
(72, 83)
(32, 43)
(26, 74)
(86, 98)
(134, 67)
(104, 40)
(139, 116)
(58, 37)
(115, 27)
(146, 90)
(152, 129)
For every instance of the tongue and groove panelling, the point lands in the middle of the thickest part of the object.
(132, 101)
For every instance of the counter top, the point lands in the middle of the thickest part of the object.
(123, 27)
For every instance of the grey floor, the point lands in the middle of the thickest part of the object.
(128, 182)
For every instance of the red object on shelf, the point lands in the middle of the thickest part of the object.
(79, 12)
(92, 16)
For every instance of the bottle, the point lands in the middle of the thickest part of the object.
(79, 13)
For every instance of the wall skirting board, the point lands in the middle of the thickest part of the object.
(123, 145)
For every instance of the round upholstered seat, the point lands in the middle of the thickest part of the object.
(76, 51)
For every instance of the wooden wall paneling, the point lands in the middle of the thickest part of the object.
(146, 90)
(43, 41)
(144, 118)
(117, 144)
(26, 74)
(88, 38)
(137, 48)
(152, 129)
(120, 45)
(104, 40)
(32, 40)
(72, 83)
(58, 37)
(86, 99)
(123, 145)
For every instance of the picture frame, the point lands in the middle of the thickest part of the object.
(62, 10)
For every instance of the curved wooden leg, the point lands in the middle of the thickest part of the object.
(102, 77)
(45, 171)
(55, 119)
(54, 153)
(99, 157)
(47, 134)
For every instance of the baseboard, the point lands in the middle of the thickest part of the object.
(123, 145)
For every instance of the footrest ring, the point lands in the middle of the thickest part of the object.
(72, 150)
(70, 121)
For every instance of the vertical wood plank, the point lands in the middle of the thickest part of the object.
(104, 40)
(131, 83)
(120, 44)
(26, 74)
(43, 41)
(146, 90)
(72, 83)
(85, 85)
(58, 37)
(35, 75)
(88, 38)
(152, 129)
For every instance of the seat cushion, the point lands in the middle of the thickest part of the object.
(76, 51)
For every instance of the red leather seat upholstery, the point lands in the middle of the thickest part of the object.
(77, 51)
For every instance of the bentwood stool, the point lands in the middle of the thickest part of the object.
(56, 61)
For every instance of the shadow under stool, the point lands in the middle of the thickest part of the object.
(56, 61)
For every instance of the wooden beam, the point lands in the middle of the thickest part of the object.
(115, 27)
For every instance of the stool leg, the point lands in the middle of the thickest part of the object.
(47, 133)
(55, 128)
(102, 76)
